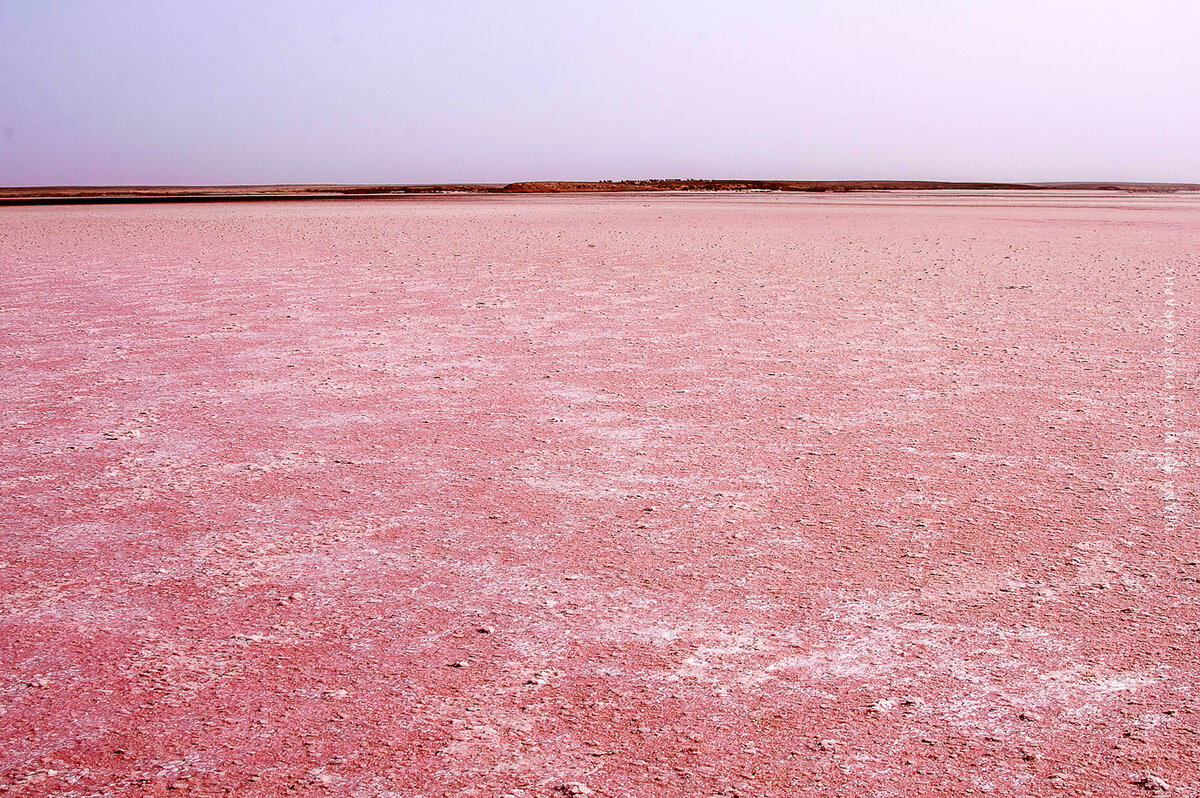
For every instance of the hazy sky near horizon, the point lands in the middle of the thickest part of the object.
(365, 91)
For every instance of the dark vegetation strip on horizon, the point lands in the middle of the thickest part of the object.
(57, 195)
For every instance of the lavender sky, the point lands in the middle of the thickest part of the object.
(298, 91)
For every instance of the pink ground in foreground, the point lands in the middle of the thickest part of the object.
(670, 496)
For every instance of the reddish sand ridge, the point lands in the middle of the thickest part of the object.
(756, 495)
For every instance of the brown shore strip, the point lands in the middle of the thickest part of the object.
(55, 195)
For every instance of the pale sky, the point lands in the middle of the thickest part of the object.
(355, 91)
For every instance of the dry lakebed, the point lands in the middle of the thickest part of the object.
(878, 494)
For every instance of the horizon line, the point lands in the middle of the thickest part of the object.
(95, 193)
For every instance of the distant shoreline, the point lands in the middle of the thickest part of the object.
(67, 195)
